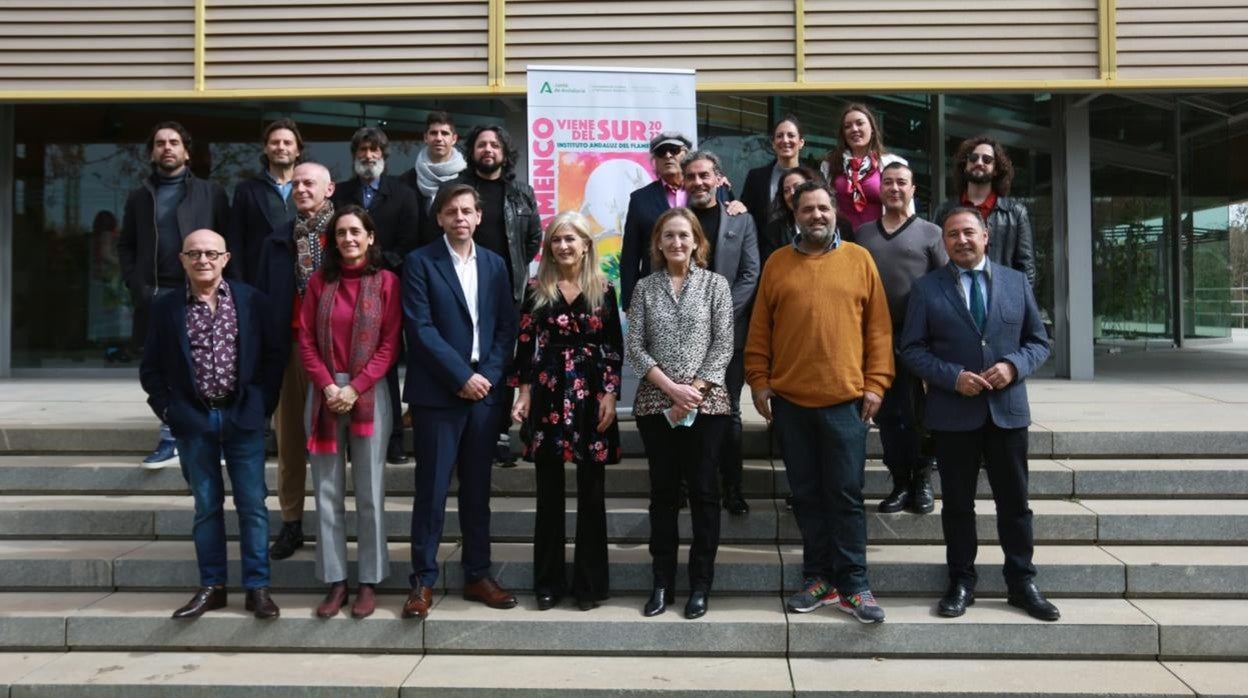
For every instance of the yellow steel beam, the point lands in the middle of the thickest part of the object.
(497, 43)
(1107, 38)
(799, 40)
(199, 45)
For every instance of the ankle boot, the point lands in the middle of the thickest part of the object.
(899, 498)
(922, 500)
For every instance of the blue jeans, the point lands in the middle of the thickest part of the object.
(200, 456)
(825, 454)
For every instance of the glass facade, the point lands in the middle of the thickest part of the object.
(1169, 252)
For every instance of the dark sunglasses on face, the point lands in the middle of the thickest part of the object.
(668, 151)
(980, 157)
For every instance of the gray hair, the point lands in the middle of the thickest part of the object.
(702, 155)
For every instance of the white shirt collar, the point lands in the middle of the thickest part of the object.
(472, 251)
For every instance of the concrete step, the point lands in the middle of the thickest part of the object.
(1161, 478)
(735, 626)
(167, 516)
(1082, 570)
(157, 674)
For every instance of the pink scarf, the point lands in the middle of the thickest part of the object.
(856, 171)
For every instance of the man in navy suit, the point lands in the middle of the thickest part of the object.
(973, 332)
(461, 328)
(212, 368)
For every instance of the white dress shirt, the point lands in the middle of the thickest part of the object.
(466, 270)
(964, 282)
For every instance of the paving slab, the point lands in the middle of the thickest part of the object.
(1064, 570)
(1184, 570)
(36, 620)
(113, 516)
(140, 621)
(207, 675)
(1199, 628)
(964, 678)
(734, 626)
(1184, 478)
(1104, 628)
(453, 676)
(16, 665)
(1213, 679)
(60, 564)
(1166, 521)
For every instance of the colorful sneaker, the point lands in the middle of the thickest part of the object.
(862, 606)
(166, 453)
(815, 593)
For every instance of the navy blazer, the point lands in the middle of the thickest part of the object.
(277, 281)
(167, 371)
(439, 328)
(940, 339)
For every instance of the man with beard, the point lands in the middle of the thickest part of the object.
(982, 175)
(436, 164)
(262, 204)
(819, 358)
(171, 204)
(734, 254)
(396, 214)
(291, 255)
(510, 226)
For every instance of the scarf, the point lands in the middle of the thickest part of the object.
(430, 175)
(856, 170)
(309, 251)
(365, 335)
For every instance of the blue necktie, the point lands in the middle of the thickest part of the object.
(979, 310)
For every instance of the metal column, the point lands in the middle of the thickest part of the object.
(1074, 352)
(7, 153)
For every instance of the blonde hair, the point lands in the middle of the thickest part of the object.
(592, 281)
(701, 252)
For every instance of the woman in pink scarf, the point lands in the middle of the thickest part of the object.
(348, 339)
(854, 168)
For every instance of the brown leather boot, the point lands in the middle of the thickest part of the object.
(335, 599)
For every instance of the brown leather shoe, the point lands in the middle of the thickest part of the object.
(365, 602)
(334, 600)
(418, 602)
(206, 599)
(488, 592)
(261, 604)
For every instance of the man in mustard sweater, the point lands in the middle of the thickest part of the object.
(818, 359)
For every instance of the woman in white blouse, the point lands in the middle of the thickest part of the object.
(680, 342)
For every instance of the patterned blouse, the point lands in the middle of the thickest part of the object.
(687, 337)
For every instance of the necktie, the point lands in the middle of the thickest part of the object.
(979, 310)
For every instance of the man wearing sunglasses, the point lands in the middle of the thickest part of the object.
(982, 174)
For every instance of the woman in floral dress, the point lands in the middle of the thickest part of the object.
(568, 358)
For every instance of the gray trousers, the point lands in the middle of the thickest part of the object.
(368, 462)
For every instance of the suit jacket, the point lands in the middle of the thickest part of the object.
(735, 257)
(439, 329)
(645, 205)
(755, 194)
(251, 221)
(940, 339)
(395, 212)
(167, 371)
(1010, 240)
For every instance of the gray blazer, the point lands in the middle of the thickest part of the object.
(940, 339)
(735, 257)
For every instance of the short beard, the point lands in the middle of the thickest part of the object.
(368, 172)
(978, 177)
(488, 169)
(820, 236)
(702, 199)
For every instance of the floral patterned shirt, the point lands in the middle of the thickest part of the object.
(214, 342)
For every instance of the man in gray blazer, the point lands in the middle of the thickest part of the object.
(734, 255)
(973, 332)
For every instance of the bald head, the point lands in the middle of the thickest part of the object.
(198, 252)
(204, 239)
(312, 185)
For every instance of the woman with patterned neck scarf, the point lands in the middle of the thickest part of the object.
(854, 169)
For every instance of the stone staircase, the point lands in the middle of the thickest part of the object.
(1143, 546)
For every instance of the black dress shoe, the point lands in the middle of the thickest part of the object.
(206, 599)
(261, 604)
(922, 499)
(394, 452)
(734, 501)
(289, 539)
(586, 604)
(1033, 602)
(546, 600)
(953, 604)
(659, 599)
(897, 499)
(696, 606)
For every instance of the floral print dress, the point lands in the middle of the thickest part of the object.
(571, 357)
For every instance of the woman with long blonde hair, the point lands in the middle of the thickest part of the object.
(568, 358)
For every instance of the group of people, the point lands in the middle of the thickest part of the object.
(928, 329)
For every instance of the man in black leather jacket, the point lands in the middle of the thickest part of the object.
(982, 174)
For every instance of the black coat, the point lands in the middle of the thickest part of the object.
(277, 281)
(205, 206)
(428, 230)
(756, 194)
(251, 223)
(395, 212)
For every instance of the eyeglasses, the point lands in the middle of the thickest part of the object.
(980, 157)
(668, 151)
(211, 255)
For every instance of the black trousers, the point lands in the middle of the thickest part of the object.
(693, 452)
(589, 564)
(1003, 454)
(899, 422)
(730, 462)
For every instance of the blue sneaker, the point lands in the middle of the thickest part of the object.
(166, 453)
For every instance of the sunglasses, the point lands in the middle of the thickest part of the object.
(980, 157)
(668, 151)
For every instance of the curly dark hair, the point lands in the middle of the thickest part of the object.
(510, 156)
(1003, 168)
(331, 268)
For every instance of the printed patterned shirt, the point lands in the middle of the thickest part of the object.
(214, 342)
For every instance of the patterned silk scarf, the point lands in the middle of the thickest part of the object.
(365, 336)
(309, 252)
(856, 171)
